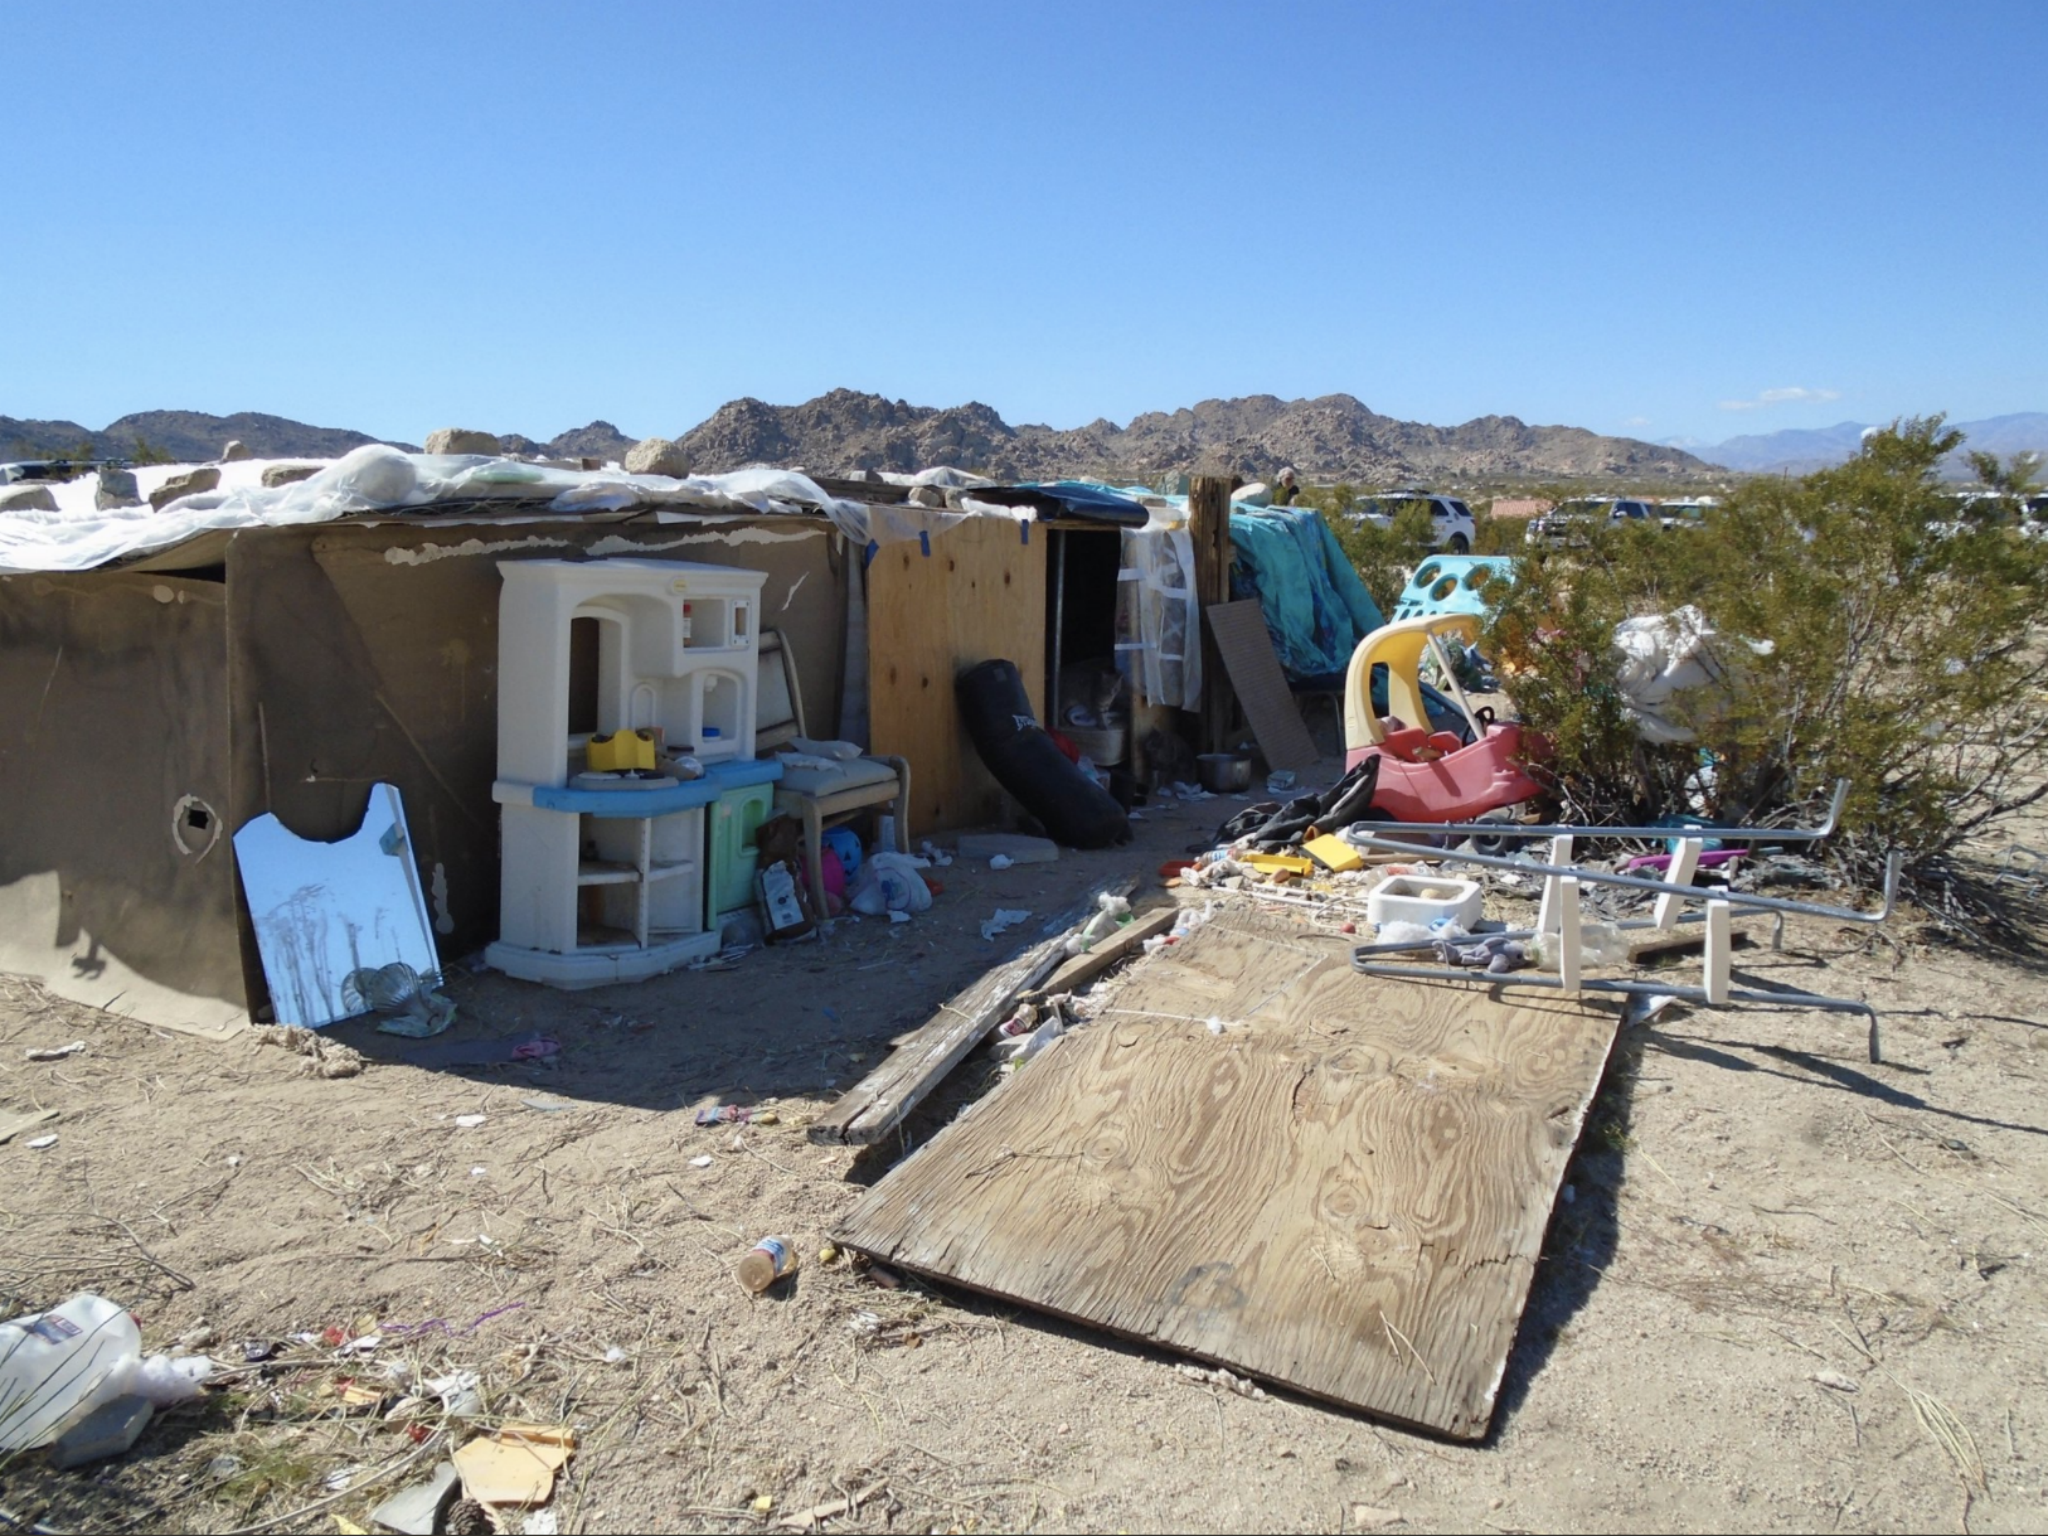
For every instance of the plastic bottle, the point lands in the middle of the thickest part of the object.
(768, 1261)
(57, 1366)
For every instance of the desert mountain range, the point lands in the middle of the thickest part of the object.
(845, 432)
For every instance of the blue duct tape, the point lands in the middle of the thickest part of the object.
(873, 550)
(924, 542)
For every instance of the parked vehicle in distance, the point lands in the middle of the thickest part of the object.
(1571, 522)
(1451, 524)
(1686, 514)
(2034, 518)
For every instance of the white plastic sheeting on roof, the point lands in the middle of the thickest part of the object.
(374, 478)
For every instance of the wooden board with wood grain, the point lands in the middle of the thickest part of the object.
(879, 1102)
(979, 595)
(1343, 1192)
(1246, 647)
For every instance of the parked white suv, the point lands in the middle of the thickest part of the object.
(1450, 520)
(1569, 522)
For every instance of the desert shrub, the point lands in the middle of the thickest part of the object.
(1902, 654)
(1384, 557)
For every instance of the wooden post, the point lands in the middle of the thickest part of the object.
(1209, 528)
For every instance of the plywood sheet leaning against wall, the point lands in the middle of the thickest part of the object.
(1343, 1192)
(979, 595)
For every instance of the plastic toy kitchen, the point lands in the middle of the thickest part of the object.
(626, 707)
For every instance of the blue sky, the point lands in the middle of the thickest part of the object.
(1635, 218)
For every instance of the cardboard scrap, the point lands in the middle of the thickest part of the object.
(1333, 853)
(1278, 863)
(515, 1464)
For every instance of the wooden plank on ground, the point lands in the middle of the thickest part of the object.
(1262, 691)
(1344, 1192)
(978, 595)
(1089, 964)
(879, 1102)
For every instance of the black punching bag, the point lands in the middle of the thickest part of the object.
(1075, 809)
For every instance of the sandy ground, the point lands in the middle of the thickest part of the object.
(1786, 1288)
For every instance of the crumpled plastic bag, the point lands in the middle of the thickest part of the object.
(890, 882)
(1665, 654)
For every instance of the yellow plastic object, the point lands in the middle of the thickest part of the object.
(1279, 862)
(1400, 648)
(1333, 853)
(621, 751)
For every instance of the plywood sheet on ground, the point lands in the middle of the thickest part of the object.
(1344, 1192)
(979, 595)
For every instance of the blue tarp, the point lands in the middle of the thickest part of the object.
(1315, 607)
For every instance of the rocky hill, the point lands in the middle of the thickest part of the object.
(187, 436)
(846, 433)
(1327, 439)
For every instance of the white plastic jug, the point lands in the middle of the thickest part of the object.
(57, 1366)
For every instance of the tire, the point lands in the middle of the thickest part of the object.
(1460, 545)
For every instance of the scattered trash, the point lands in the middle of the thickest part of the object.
(415, 1009)
(1366, 1517)
(1109, 914)
(890, 882)
(1495, 954)
(256, 1351)
(482, 1053)
(937, 856)
(109, 1430)
(1005, 919)
(13, 1123)
(165, 1381)
(1418, 899)
(767, 1262)
(515, 1463)
(458, 1393)
(417, 1511)
(829, 1254)
(701, 1162)
(56, 1052)
(40, 1143)
(540, 1522)
(832, 1509)
(737, 1114)
(614, 1355)
(469, 1122)
(324, 1057)
(1015, 1049)
(1010, 847)
(1219, 1377)
(59, 1364)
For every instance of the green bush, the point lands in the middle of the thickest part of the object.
(1903, 656)
(1384, 557)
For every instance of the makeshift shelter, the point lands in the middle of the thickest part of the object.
(165, 677)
